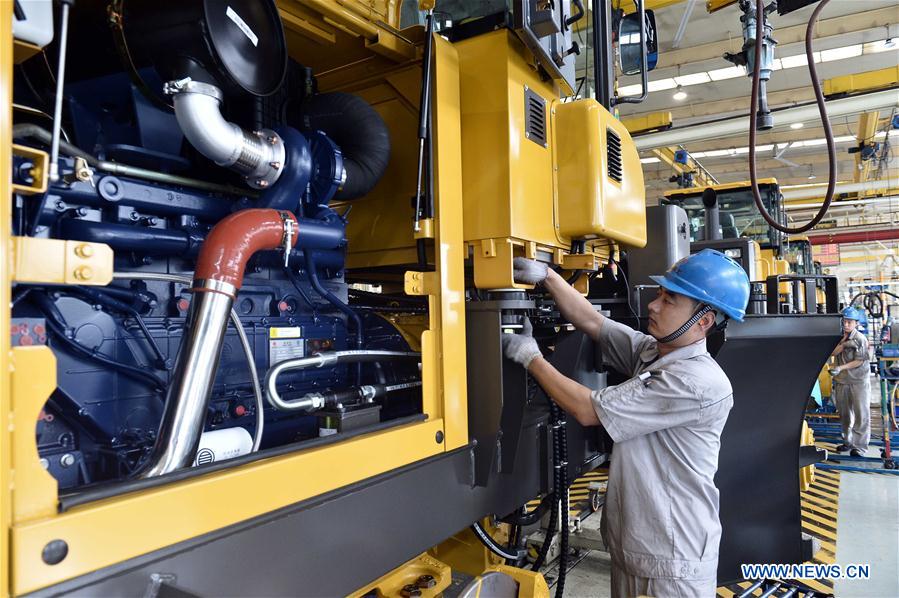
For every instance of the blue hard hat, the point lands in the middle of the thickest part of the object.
(851, 313)
(712, 278)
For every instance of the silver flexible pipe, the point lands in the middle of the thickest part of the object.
(315, 400)
(241, 334)
(258, 155)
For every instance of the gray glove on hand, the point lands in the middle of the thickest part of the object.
(521, 348)
(526, 271)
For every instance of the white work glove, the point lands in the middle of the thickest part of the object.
(521, 348)
(526, 271)
(835, 371)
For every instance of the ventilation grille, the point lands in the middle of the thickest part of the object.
(613, 152)
(535, 117)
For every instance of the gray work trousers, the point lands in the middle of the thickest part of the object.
(853, 403)
(630, 586)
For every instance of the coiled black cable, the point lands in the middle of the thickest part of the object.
(562, 491)
(488, 541)
(822, 110)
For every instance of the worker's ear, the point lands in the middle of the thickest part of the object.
(707, 322)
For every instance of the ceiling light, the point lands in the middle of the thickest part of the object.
(662, 84)
(630, 90)
(841, 53)
(797, 125)
(881, 45)
(730, 72)
(694, 79)
(679, 95)
(649, 160)
(789, 62)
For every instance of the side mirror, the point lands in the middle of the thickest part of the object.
(629, 57)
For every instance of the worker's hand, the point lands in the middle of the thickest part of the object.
(521, 348)
(527, 271)
(835, 371)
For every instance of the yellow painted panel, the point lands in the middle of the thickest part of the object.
(591, 203)
(33, 379)
(507, 177)
(448, 316)
(6, 82)
(114, 530)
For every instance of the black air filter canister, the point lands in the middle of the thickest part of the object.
(238, 45)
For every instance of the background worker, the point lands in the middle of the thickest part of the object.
(660, 521)
(852, 386)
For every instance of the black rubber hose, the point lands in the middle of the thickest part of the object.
(822, 110)
(312, 275)
(57, 324)
(554, 512)
(491, 544)
(524, 519)
(562, 491)
(359, 132)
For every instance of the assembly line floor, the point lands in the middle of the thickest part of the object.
(855, 516)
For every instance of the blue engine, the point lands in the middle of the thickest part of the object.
(128, 178)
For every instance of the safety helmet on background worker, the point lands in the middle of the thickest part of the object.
(711, 278)
(852, 313)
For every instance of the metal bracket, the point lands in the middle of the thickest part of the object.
(420, 283)
(40, 171)
(51, 261)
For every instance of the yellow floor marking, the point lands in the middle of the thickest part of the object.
(824, 493)
(823, 520)
(820, 501)
(817, 586)
(819, 530)
(819, 509)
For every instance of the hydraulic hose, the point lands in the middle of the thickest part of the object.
(312, 275)
(318, 400)
(822, 110)
(491, 544)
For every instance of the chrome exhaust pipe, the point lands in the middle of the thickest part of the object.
(217, 279)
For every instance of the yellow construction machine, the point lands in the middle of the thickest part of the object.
(258, 266)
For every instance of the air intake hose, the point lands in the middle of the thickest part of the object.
(218, 277)
(359, 132)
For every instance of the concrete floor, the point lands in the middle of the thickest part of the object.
(867, 533)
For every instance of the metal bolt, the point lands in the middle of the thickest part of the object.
(84, 250)
(84, 272)
(60, 206)
(45, 463)
(67, 460)
(426, 582)
(135, 216)
(272, 139)
(409, 591)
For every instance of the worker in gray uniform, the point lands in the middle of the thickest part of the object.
(852, 386)
(660, 522)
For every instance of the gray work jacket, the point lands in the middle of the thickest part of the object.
(661, 513)
(856, 348)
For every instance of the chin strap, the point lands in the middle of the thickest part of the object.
(703, 310)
